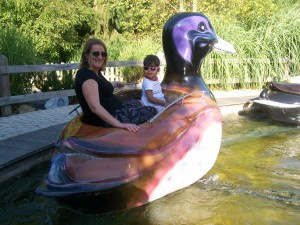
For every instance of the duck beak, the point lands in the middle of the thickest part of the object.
(223, 46)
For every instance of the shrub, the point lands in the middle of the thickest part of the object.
(19, 50)
(137, 49)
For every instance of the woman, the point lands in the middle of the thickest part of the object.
(95, 94)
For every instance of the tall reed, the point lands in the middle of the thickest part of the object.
(268, 51)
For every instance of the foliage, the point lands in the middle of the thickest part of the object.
(143, 17)
(19, 49)
(261, 51)
(137, 50)
(54, 31)
(59, 31)
(66, 27)
(247, 12)
(54, 81)
(57, 27)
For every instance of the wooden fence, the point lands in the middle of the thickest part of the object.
(6, 100)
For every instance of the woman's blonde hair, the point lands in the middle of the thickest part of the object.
(86, 50)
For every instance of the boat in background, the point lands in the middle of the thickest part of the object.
(281, 101)
(96, 169)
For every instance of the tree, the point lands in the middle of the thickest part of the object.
(247, 12)
(57, 27)
(19, 49)
(142, 17)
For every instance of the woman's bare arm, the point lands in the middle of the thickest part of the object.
(91, 94)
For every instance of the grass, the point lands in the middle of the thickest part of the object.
(266, 52)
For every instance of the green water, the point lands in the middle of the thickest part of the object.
(255, 180)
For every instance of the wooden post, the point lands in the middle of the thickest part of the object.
(4, 85)
(194, 5)
(181, 7)
(112, 74)
(162, 59)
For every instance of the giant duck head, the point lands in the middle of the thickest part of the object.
(187, 39)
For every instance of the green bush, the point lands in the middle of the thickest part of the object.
(137, 49)
(19, 50)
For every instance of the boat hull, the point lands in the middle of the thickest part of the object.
(106, 169)
(281, 102)
(98, 170)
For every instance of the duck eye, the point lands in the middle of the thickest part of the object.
(202, 27)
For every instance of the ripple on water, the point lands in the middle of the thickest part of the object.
(255, 180)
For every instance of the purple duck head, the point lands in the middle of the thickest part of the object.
(193, 35)
(187, 39)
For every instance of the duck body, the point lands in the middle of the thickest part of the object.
(281, 102)
(96, 170)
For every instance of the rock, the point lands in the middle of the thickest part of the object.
(56, 102)
(25, 109)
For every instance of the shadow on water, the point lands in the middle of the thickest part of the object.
(20, 204)
(255, 180)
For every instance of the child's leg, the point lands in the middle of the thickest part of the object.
(136, 102)
(130, 113)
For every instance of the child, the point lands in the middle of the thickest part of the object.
(151, 90)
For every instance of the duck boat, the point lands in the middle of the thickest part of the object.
(97, 170)
(281, 102)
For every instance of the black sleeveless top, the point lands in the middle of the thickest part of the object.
(107, 99)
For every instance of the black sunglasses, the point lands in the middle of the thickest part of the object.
(97, 53)
(150, 67)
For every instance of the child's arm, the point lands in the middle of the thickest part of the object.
(152, 99)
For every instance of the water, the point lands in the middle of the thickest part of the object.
(255, 180)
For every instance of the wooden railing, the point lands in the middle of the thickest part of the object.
(6, 100)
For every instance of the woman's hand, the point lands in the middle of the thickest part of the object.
(129, 126)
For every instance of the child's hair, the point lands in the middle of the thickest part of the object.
(151, 60)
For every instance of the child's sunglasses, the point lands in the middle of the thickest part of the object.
(153, 68)
(97, 53)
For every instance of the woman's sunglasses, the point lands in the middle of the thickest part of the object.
(153, 68)
(97, 53)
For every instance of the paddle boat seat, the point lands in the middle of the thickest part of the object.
(285, 87)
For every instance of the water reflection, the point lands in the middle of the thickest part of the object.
(256, 180)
